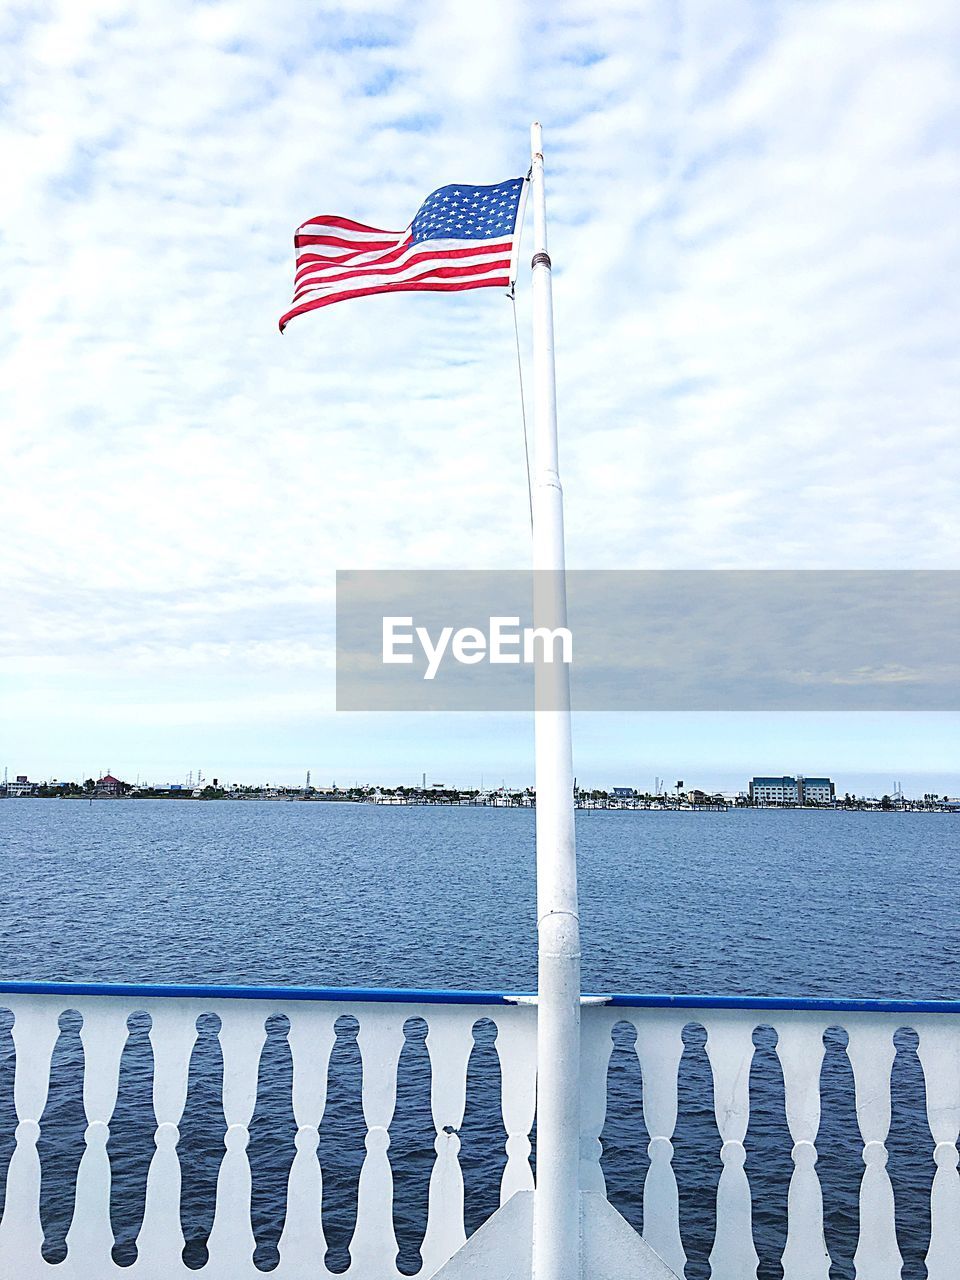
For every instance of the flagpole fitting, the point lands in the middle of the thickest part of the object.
(536, 142)
(541, 260)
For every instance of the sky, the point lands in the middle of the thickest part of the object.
(753, 224)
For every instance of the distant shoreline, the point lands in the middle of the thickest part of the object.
(526, 803)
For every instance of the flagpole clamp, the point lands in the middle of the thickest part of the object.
(540, 260)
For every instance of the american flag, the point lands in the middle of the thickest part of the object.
(462, 237)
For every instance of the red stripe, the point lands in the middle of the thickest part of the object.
(359, 245)
(443, 273)
(378, 268)
(404, 287)
(346, 224)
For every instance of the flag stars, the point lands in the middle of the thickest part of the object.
(468, 213)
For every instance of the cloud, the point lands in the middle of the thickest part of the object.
(753, 227)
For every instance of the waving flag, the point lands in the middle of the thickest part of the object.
(462, 237)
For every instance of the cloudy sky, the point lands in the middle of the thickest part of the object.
(754, 211)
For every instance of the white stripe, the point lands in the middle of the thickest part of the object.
(468, 242)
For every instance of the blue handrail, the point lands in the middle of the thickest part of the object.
(402, 995)
(203, 991)
(825, 1004)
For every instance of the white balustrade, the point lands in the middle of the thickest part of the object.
(595, 1052)
(730, 1050)
(103, 1035)
(173, 1034)
(231, 1242)
(311, 1041)
(939, 1053)
(373, 1249)
(35, 1031)
(517, 1051)
(660, 1048)
(449, 1043)
(871, 1052)
(800, 1049)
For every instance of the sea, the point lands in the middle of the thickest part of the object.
(743, 902)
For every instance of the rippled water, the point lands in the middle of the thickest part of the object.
(744, 902)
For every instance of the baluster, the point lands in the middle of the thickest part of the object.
(103, 1035)
(160, 1242)
(311, 1039)
(516, 1046)
(871, 1051)
(232, 1242)
(35, 1031)
(800, 1050)
(373, 1249)
(939, 1053)
(449, 1043)
(596, 1046)
(660, 1047)
(730, 1050)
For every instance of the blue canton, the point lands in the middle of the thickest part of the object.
(459, 212)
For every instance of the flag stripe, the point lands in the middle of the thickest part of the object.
(347, 224)
(444, 286)
(338, 242)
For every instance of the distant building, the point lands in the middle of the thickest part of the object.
(624, 793)
(21, 787)
(786, 790)
(109, 787)
(817, 791)
(774, 791)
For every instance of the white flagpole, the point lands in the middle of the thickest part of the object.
(556, 1232)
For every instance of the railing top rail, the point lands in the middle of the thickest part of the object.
(825, 1004)
(403, 995)
(205, 991)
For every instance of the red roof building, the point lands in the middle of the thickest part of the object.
(109, 786)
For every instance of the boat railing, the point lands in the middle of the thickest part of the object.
(382, 1022)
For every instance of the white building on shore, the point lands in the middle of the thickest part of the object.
(795, 791)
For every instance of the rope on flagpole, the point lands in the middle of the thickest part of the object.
(512, 295)
(523, 408)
